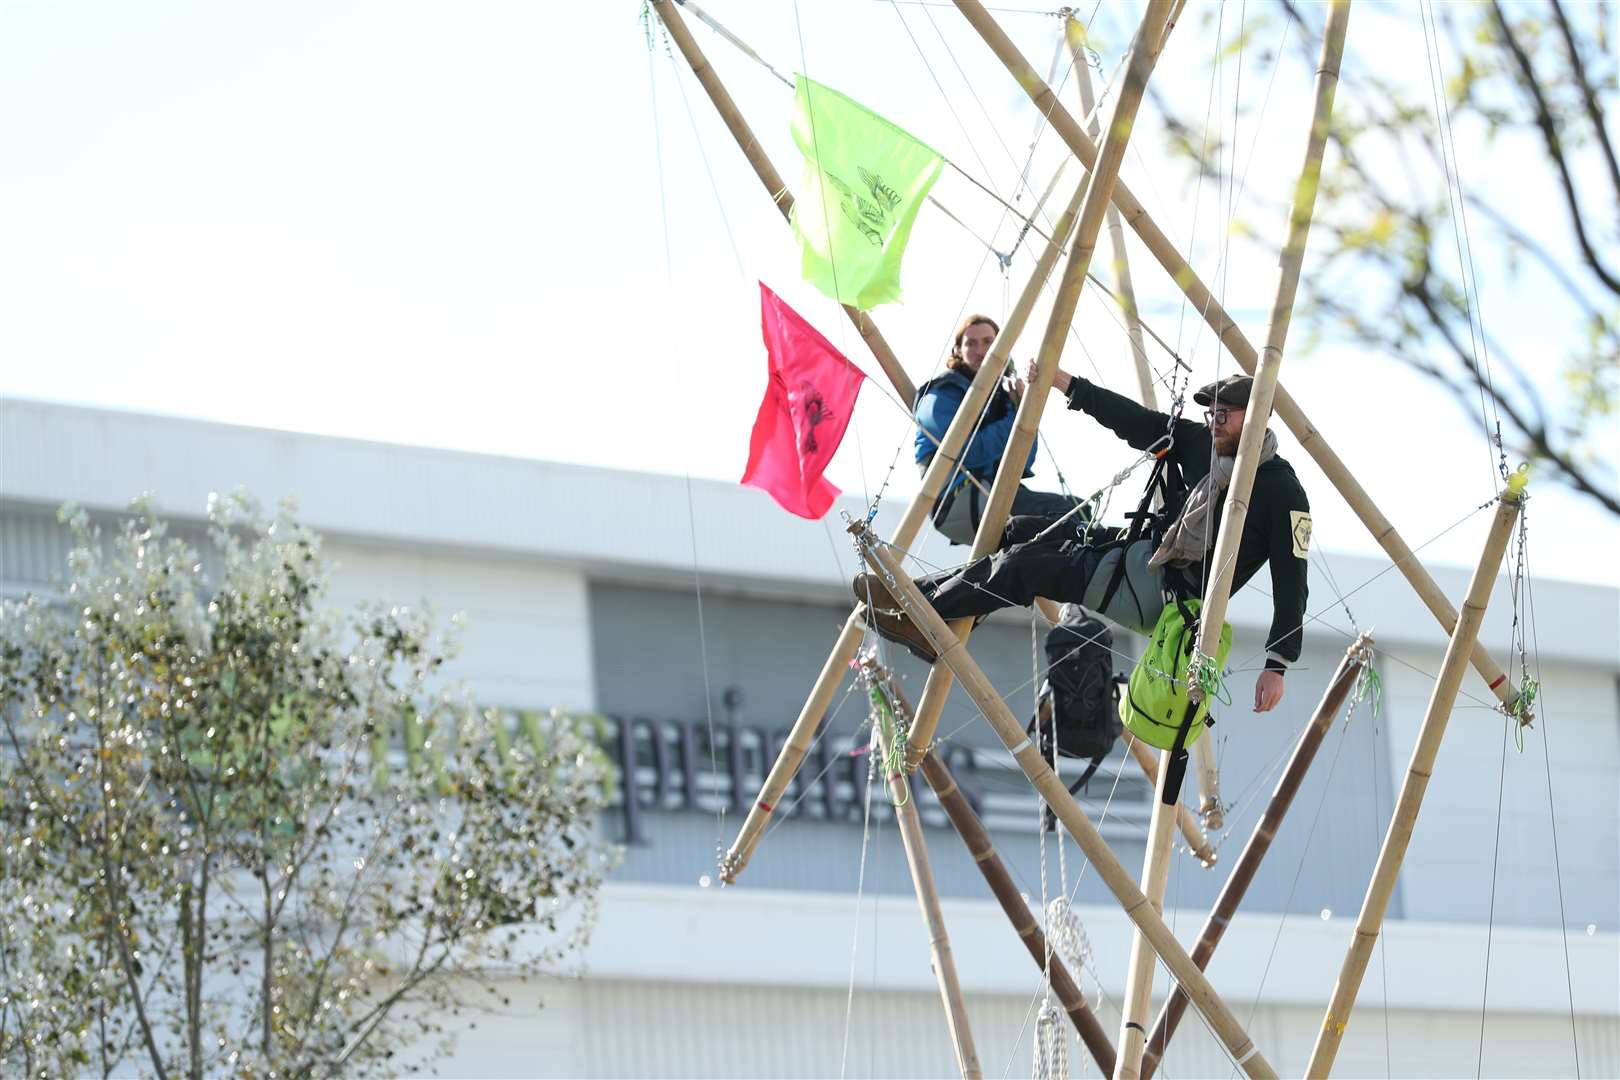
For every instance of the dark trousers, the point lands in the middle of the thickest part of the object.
(1058, 567)
(960, 521)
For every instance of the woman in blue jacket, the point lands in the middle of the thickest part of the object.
(961, 503)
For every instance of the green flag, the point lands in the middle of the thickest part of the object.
(864, 180)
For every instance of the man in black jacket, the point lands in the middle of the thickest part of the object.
(1128, 579)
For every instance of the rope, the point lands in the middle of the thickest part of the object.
(1204, 673)
(1369, 684)
(894, 735)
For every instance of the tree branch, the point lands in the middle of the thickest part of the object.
(1555, 146)
(1594, 111)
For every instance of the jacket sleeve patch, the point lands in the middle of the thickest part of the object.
(1299, 522)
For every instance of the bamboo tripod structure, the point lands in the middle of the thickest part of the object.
(1418, 771)
(941, 958)
(1265, 830)
(934, 478)
(1223, 562)
(977, 838)
(803, 731)
(1102, 173)
(954, 654)
(1228, 333)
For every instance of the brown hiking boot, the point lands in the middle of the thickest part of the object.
(897, 627)
(870, 589)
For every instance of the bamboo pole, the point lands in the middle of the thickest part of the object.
(1228, 333)
(941, 958)
(977, 838)
(1102, 173)
(1138, 997)
(1197, 842)
(669, 13)
(954, 654)
(1418, 771)
(1265, 830)
(939, 470)
(1212, 616)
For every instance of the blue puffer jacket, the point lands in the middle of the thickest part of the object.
(937, 403)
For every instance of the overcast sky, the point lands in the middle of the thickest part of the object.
(512, 228)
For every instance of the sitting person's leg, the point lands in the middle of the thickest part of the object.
(960, 522)
(1046, 504)
(1052, 567)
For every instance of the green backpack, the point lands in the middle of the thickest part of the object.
(1154, 704)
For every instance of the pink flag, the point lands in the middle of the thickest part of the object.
(809, 400)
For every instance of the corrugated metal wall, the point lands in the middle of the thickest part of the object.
(608, 1028)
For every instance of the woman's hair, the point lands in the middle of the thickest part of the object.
(954, 361)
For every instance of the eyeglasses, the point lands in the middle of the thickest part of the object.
(1218, 416)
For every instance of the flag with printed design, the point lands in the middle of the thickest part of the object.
(864, 181)
(809, 399)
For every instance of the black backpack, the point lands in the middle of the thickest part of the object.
(1078, 703)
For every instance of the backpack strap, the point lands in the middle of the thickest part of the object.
(1176, 770)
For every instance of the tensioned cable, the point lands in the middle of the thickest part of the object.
(1299, 869)
(1007, 208)
(1023, 173)
(1452, 170)
(703, 155)
(1393, 564)
(691, 511)
(1552, 819)
(1375, 740)
(1311, 619)
(1508, 720)
(1198, 182)
(743, 47)
(860, 888)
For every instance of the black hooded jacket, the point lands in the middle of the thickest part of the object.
(1276, 530)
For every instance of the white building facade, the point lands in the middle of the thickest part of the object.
(695, 615)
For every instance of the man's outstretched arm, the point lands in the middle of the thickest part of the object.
(1138, 425)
